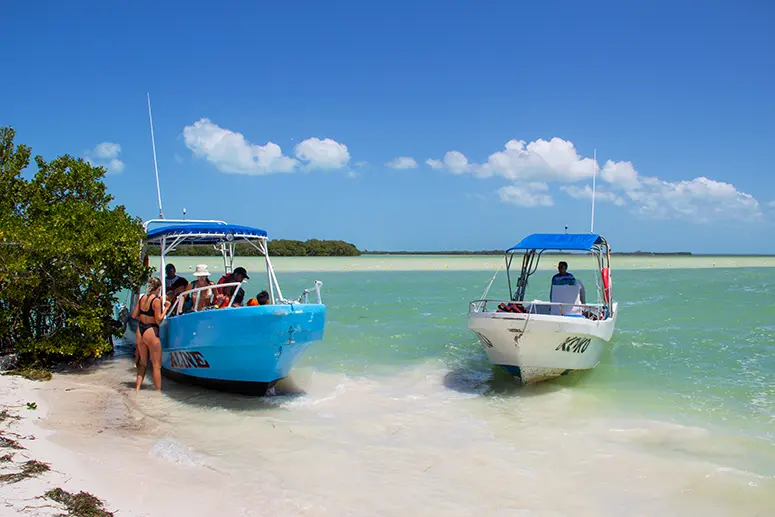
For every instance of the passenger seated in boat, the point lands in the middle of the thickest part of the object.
(225, 293)
(178, 286)
(205, 296)
(566, 290)
(261, 298)
(170, 276)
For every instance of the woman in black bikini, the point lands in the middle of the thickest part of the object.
(149, 314)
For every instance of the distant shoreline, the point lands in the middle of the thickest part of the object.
(458, 262)
(614, 253)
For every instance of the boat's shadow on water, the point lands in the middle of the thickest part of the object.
(207, 398)
(210, 398)
(495, 382)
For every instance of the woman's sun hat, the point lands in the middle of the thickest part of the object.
(201, 270)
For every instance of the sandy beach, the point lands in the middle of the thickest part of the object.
(93, 445)
(69, 470)
(355, 446)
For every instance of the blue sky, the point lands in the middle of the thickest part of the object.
(499, 104)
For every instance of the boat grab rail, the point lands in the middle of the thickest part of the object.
(598, 309)
(304, 298)
(178, 305)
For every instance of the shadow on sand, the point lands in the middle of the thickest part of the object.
(198, 396)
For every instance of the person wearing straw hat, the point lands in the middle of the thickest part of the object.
(202, 280)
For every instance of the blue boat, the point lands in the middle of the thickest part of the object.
(244, 349)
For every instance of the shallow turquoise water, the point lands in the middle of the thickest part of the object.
(677, 419)
(694, 345)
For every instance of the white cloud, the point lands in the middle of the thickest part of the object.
(585, 192)
(527, 195)
(454, 161)
(435, 164)
(322, 154)
(106, 150)
(557, 160)
(528, 167)
(700, 200)
(361, 165)
(115, 166)
(106, 155)
(772, 204)
(553, 160)
(457, 163)
(621, 174)
(231, 152)
(402, 162)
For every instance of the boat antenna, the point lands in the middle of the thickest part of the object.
(594, 178)
(155, 166)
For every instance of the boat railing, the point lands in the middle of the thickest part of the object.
(196, 293)
(178, 305)
(304, 298)
(538, 307)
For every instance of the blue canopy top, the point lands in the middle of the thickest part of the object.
(559, 241)
(203, 233)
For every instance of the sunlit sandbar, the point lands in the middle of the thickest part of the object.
(470, 262)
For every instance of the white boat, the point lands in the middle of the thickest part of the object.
(541, 340)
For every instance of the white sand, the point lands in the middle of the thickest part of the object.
(68, 471)
(115, 466)
(360, 447)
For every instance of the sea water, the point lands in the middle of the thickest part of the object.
(397, 411)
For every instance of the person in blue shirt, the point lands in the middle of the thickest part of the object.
(564, 278)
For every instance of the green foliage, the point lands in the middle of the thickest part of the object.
(31, 373)
(312, 248)
(64, 254)
(277, 248)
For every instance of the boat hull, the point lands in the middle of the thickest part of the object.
(246, 349)
(536, 348)
(241, 387)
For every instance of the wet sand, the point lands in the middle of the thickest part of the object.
(352, 446)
